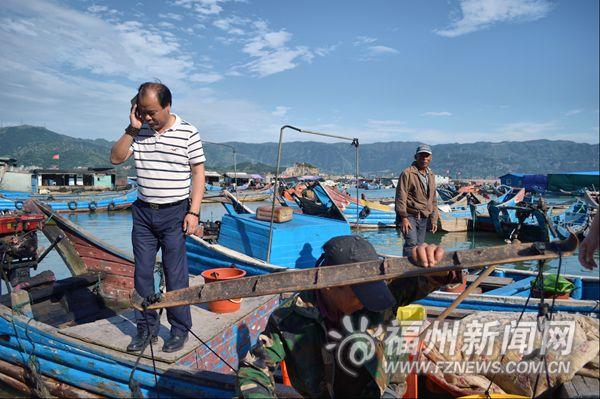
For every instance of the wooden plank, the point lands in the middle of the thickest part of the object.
(568, 390)
(584, 390)
(491, 280)
(356, 273)
(116, 332)
(593, 384)
(66, 250)
(456, 313)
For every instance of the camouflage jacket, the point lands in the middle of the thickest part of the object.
(297, 333)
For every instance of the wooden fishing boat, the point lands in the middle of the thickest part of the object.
(591, 198)
(67, 338)
(535, 223)
(507, 290)
(358, 213)
(244, 241)
(480, 214)
(456, 216)
(245, 196)
(93, 202)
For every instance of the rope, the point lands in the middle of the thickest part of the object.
(205, 344)
(134, 386)
(487, 391)
(549, 316)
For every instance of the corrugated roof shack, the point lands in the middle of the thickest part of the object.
(512, 179)
(85, 178)
(574, 181)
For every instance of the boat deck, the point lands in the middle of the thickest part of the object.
(115, 333)
(580, 387)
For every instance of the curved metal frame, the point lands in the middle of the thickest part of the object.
(354, 141)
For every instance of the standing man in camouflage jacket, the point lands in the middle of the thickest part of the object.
(298, 331)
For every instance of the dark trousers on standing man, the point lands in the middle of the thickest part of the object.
(155, 229)
(416, 234)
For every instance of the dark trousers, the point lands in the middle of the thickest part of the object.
(416, 235)
(154, 229)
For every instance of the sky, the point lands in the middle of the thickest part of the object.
(435, 71)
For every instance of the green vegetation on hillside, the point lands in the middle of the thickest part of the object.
(32, 145)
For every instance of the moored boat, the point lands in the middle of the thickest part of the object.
(67, 203)
(480, 214)
(69, 336)
(508, 290)
(537, 222)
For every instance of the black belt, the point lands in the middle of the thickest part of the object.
(161, 206)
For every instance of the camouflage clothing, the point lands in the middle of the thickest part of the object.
(297, 333)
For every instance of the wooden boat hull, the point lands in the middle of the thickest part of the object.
(98, 370)
(86, 357)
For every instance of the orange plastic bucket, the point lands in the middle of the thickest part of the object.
(223, 273)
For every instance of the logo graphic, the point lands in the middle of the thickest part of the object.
(356, 348)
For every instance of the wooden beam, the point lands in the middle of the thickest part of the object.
(356, 273)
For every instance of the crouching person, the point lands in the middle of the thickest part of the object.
(298, 331)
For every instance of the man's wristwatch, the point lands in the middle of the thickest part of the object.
(132, 131)
(194, 214)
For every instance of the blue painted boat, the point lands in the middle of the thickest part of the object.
(480, 214)
(103, 201)
(69, 336)
(508, 289)
(243, 240)
(533, 223)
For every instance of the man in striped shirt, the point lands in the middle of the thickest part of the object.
(168, 157)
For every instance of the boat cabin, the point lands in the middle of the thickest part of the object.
(296, 244)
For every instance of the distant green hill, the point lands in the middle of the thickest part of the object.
(35, 146)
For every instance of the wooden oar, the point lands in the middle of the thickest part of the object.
(355, 273)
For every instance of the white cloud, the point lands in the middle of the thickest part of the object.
(370, 51)
(271, 55)
(232, 25)
(171, 15)
(97, 9)
(381, 50)
(280, 111)
(573, 112)
(525, 129)
(362, 40)
(202, 7)
(166, 25)
(481, 14)
(205, 77)
(433, 113)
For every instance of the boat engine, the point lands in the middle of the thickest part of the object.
(18, 246)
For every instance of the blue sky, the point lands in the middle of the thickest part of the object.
(431, 71)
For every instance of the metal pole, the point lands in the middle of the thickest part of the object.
(234, 170)
(354, 141)
(234, 160)
(355, 144)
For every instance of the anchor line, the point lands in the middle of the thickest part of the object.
(133, 385)
(541, 312)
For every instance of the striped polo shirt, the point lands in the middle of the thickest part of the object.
(163, 161)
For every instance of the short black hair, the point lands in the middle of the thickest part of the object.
(163, 94)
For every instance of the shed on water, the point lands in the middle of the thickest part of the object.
(574, 181)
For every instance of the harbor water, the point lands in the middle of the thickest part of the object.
(115, 228)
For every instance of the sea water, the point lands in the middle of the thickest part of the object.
(115, 228)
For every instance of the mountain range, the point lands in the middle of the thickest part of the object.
(35, 146)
